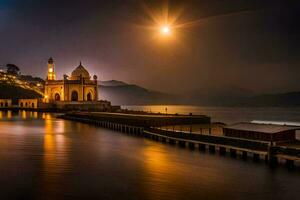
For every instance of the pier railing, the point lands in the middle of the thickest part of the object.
(223, 144)
(241, 143)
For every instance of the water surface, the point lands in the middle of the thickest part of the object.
(228, 115)
(42, 157)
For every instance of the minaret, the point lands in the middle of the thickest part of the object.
(51, 71)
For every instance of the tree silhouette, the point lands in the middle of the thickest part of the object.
(12, 69)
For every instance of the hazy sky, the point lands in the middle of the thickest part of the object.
(250, 44)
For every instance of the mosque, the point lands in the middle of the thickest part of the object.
(79, 87)
(75, 92)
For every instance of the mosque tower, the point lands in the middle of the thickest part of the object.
(51, 70)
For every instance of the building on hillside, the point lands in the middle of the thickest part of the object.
(263, 132)
(28, 103)
(79, 87)
(5, 103)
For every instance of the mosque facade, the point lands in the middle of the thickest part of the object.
(78, 87)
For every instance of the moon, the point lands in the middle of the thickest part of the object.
(165, 30)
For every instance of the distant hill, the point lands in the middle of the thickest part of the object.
(122, 93)
(126, 94)
(112, 83)
(13, 92)
(284, 99)
(263, 100)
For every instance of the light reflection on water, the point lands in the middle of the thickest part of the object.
(49, 158)
(55, 156)
(228, 114)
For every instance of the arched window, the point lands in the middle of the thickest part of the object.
(57, 97)
(89, 97)
(26, 104)
(6, 104)
(32, 105)
(1, 104)
(74, 96)
(21, 104)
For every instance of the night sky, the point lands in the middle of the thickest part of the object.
(246, 44)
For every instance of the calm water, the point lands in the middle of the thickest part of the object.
(42, 157)
(229, 114)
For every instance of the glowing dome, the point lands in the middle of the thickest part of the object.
(80, 71)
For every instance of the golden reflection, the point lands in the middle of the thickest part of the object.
(54, 141)
(48, 116)
(55, 151)
(156, 159)
(9, 114)
(161, 169)
(35, 115)
(23, 114)
(170, 167)
(49, 145)
(1, 114)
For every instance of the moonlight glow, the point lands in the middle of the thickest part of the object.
(165, 30)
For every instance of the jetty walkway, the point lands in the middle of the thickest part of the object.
(149, 126)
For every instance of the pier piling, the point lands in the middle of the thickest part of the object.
(212, 148)
(233, 153)
(244, 155)
(191, 145)
(202, 147)
(255, 157)
(290, 164)
(181, 143)
(222, 151)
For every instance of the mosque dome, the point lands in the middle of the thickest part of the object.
(80, 71)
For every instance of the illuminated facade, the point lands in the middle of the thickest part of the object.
(28, 103)
(5, 103)
(79, 87)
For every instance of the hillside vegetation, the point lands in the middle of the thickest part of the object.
(14, 92)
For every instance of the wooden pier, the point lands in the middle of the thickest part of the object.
(145, 121)
(147, 126)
